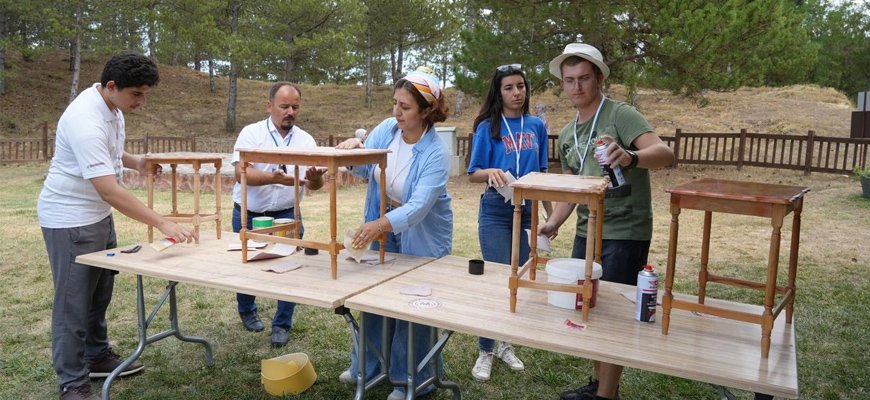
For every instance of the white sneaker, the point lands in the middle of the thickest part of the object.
(482, 367)
(505, 352)
(347, 378)
(396, 394)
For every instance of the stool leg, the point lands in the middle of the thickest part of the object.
(705, 255)
(217, 196)
(770, 285)
(174, 190)
(792, 258)
(150, 183)
(672, 261)
(515, 248)
(196, 187)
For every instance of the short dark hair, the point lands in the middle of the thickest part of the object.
(278, 85)
(574, 60)
(130, 69)
(439, 109)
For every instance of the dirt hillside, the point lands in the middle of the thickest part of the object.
(182, 104)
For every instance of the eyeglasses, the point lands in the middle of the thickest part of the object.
(510, 68)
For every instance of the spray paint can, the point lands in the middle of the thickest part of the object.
(647, 292)
(614, 172)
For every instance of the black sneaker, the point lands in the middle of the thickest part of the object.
(82, 392)
(580, 392)
(104, 366)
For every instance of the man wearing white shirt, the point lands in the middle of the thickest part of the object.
(82, 186)
(270, 189)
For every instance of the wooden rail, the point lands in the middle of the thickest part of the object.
(808, 153)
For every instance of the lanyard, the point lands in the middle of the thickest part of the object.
(282, 167)
(582, 156)
(273, 136)
(516, 137)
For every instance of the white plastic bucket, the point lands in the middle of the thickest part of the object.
(571, 270)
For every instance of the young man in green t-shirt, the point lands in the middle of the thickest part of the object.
(628, 208)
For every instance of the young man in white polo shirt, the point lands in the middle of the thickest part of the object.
(75, 213)
(270, 189)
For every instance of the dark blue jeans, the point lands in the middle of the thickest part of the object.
(495, 223)
(621, 260)
(247, 303)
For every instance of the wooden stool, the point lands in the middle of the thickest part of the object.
(196, 160)
(746, 198)
(564, 188)
(329, 157)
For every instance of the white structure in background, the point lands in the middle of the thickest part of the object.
(457, 162)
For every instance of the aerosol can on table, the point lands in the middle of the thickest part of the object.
(612, 171)
(647, 292)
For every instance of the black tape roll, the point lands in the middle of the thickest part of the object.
(475, 267)
(311, 252)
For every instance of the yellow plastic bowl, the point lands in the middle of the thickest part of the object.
(287, 374)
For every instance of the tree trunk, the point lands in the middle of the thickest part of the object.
(211, 76)
(3, 19)
(393, 74)
(230, 125)
(152, 38)
(76, 59)
(397, 74)
(369, 99)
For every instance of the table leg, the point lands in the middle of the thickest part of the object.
(144, 322)
(770, 286)
(591, 240)
(705, 255)
(533, 239)
(217, 197)
(429, 361)
(149, 181)
(243, 233)
(361, 343)
(600, 229)
(672, 261)
(333, 224)
(792, 258)
(174, 168)
(196, 188)
(515, 248)
(383, 210)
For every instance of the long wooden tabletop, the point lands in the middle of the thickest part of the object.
(703, 348)
(210, 264)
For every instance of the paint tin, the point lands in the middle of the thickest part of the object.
(284, 221)
(262, 222)
(647, 292)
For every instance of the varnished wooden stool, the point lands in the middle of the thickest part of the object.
(329, 157)
(746, 198)
(196, 160)
(536, 187)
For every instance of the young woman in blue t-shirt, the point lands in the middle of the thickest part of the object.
(507, 142)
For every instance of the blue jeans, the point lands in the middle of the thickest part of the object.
(247, 304)
(399, 347)
(621, 260)
(495, 223)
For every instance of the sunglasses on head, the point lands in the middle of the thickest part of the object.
(510, 68)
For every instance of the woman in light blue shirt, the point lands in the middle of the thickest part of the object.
(419, 218)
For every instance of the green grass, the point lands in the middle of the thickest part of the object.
(831, 320)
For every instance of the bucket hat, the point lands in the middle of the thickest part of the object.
(581, 50)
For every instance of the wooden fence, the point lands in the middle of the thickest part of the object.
(809, 153)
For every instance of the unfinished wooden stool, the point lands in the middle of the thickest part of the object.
(196, 160)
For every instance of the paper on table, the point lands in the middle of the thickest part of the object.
(252, 245)
(543, 241)
(278, 250)
(417, 290)
(284, 267)
(373, 258)
(355, 254)
(507, 191)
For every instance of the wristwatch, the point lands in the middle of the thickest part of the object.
(633, 156)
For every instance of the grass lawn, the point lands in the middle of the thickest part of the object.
(831, 311)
